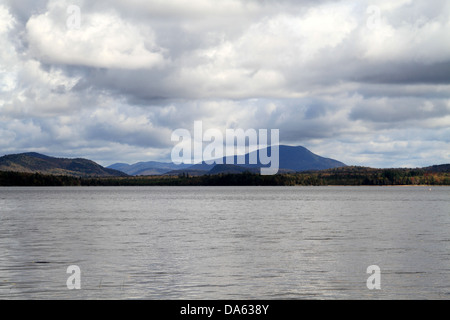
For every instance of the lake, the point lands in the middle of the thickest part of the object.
(225, 242)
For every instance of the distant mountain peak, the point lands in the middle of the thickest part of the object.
(147, 168)
(291, 158)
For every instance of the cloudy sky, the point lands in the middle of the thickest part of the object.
(364, 82)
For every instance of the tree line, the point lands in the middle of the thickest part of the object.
(348, 176)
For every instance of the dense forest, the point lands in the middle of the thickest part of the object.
(347, 176)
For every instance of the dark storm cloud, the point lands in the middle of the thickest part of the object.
(24, 9)
(409, 73)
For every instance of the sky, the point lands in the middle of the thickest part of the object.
(363, 82)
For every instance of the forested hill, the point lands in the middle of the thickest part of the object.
(39, 163)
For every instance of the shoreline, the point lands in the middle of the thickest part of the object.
(344, 177)
(224, 186)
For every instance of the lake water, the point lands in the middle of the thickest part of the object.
(225, 242)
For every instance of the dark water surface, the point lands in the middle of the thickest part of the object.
(225, 242)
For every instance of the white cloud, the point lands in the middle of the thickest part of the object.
(406, 31)
(8, 55)
(256, 63)
(40, 93)
(103, 40)
(195, 8)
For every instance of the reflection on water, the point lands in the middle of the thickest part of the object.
(225, 242)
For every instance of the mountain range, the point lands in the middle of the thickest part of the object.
(291, 159)
(147, 168)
